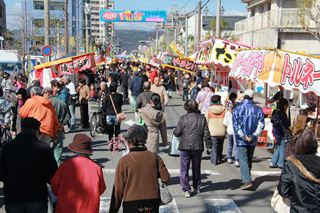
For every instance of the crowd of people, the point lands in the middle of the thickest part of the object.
(40, 118)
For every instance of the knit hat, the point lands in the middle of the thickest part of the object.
(82, 144)
(249, 93)
(136, 132)
(30, 123)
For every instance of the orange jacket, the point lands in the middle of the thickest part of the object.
(41, 109)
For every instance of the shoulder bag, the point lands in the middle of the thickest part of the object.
(120, 116)
(165, 195)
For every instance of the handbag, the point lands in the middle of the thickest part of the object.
(280, 204)
(165, 195)
(120, 116)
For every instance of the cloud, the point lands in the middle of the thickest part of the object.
(135, 26)
(14, 16)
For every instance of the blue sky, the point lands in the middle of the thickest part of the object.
(232, 7)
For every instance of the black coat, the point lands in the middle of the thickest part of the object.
(26, 166)
(193, 130)
(303, 192)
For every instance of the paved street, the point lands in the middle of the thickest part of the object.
(220, 184)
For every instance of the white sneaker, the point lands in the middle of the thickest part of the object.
(187, 194)
(237, 164)
(229, 161)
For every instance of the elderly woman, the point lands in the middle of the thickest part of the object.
(192, 129)
(300, 177)
(137, 173)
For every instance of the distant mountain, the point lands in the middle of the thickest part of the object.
(129, 39)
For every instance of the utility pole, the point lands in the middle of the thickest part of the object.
(87, 9)
(46, 23)
(186, 39)
(218, 18)
(66, 28)
(157, 42)
(58, 38)
(199, 24)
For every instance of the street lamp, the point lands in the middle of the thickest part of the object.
(222, 11)
(87, 11)
(206, 10)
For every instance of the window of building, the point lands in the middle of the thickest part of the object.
(269, 7)
(253, 11)
(56, 6)
(38, 5)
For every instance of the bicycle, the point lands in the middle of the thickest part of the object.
(96, 116)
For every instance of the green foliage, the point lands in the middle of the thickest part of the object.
(223, 25)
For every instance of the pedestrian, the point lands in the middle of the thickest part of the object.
(72, 100)
(61, 92)
(171, 83)
(227, 121)
(281, 127)
(145, 96)
(136, 179)
(84, 95)
(5, 109)
(35, 83)
(204, 97)
(186, 82)
(112, 106)
(135, 87)
(61, 113)
(153, 75)
(192, 128)
(21, 96)
(26, 167)
(79, 182)
(248, 123)
(152, 115)
(215, 115)
(7, 85)
(300, 177)
(93, 93)
(124, 77)
(160, 90)
(41, 109)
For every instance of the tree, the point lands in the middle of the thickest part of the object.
(309, 14)
(223, 25)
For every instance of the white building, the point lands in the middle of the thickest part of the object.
(275, 24)
(101, 32)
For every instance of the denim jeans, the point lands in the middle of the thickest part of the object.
(217, 148)
(185, 158)
(30, 207)
(58, 147)
(245, 159)
(113, 126)
(231, 143)
(278, 155)
(185, 96)
(72, 114)
(134, 103)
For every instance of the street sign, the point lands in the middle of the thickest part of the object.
(46, 50)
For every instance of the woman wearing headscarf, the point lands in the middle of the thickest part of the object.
(152, 115)
(193, 130)
(137, 173)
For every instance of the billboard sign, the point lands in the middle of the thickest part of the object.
(133, 15)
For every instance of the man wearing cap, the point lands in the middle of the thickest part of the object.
(248, 123)
(42, 109)
(79, 183)
(26, 167)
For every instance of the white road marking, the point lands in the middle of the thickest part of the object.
(169, 208)
(171, 171)
(129, 122)
(266, 173)
(221, 205)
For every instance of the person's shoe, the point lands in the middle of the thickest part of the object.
(229, 161)
(272, 166)
(187, 194)
(237, 164)
(197, 191)
(246, 186)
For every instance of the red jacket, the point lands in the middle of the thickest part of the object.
(153, 75)
(78, 184)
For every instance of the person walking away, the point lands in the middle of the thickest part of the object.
(72, 100)
(186, 82)
(61, 113)
(152, 115)
(215, 115)
(41, 109)
(227, 121)
(7, 85)
(171, 83)
(160, 90)
(136, 179)
(113, 106)
(136, 88)
(281, 125)
(78, 182)
(203, 97)
(145, 96)
(21, 96)
(300, 177)
(248, 123)
(84, 95)
(192, 128)
(124, 77)
(26, 167)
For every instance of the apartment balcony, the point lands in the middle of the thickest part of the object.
(285, 19)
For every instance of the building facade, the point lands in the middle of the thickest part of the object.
(276, 24)
(3, 22)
